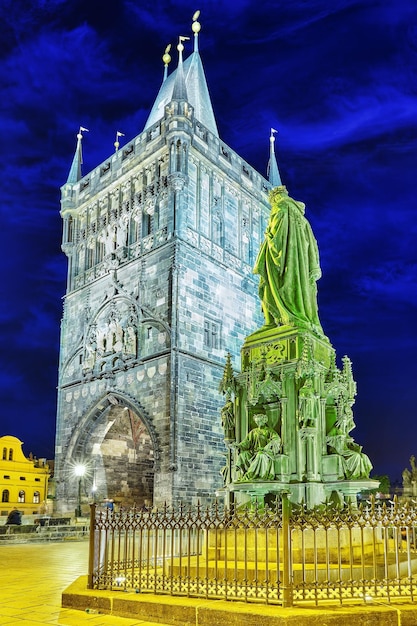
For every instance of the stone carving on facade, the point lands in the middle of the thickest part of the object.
(177, 181)
(121, 231)
(113, 334)
(108, 238)
(263, 385)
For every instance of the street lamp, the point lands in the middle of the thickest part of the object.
(79, 470)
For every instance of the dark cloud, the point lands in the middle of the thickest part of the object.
(339, 82)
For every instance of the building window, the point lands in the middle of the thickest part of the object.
(21, 496)
(89, 258)
(6, 477)
(11, 454)
(4, 454)
(23, 478)
(37, 480)
(146, 225)
(212, 334)
(36, 497)
(70, 236)
(5, 495)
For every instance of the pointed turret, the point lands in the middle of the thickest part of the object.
(273, 171)
(196, 89)
(75, 171)
(180, 90)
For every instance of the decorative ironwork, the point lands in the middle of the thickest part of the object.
(260, 554)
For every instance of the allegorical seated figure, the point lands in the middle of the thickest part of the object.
(356, 463)
(258, 451)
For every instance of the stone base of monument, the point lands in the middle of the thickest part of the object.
(310, 493)
(290, 426)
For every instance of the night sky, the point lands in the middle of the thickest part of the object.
(336, 78)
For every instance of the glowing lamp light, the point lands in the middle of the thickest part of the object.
(79, 470)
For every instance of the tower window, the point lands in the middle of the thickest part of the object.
(4, 454)
(11, 454)
(146, 225)
(70, 232)
(212, 334)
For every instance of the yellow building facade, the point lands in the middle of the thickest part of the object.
(23, 482)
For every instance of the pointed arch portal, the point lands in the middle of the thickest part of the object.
(118, 450)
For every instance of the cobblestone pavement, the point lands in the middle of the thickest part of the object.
(32, 578)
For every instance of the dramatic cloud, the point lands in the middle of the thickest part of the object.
(337, 79)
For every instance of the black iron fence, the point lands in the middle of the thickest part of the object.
(274, 556)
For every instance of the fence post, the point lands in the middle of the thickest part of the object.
(287, 590)
(91, 546)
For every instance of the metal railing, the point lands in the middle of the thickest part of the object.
(273, 556)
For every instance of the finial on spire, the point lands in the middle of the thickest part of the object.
(180, 90)
(180, 46)
(273, 172)
(196, 27)
(117, 143)
(75, 171)
(166, 57)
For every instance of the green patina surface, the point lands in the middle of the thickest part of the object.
(288, 415)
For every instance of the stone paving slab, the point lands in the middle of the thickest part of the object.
(32, 579)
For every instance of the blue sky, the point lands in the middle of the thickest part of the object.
(338, 79)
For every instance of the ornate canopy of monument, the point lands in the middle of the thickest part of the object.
(288, 416)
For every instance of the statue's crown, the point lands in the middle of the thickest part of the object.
(277, 192)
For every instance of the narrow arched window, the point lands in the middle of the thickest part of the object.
(36, 497)
(21, 496)
(11, 454)
(4, 454)
(70, 234)
(5, 495)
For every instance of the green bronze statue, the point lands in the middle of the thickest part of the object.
(258, 451)
(288, 265)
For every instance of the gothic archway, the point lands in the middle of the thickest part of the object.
(116, 443)
(125, 468)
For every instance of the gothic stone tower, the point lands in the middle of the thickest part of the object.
(160, 240)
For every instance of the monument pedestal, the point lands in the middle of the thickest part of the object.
(289, 375)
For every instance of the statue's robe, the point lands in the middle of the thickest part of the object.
(288, 265)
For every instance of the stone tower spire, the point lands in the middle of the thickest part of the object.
(75, 171)
(196, 85)
(273, 171)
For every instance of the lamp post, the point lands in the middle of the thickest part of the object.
(79, 470)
